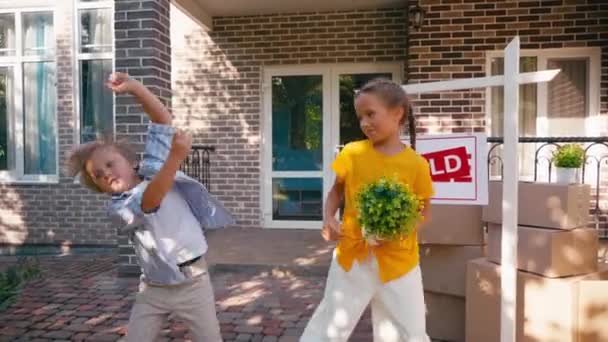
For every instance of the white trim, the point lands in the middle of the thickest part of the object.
(6, 178)
(28, 9)
(9, 5)
(293, 224)
(297, 174)
(18, 103)
(96, 55)
(94, 4)
(331, 117)
(54, 61)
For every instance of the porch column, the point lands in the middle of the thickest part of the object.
(143, 50)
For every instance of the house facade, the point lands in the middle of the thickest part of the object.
(269, 85)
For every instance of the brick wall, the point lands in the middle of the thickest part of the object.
(455, 36)
(61, 213)
(143, 50)
(217, 77)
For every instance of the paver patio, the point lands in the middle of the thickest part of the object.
(267, 284)
(80, 298)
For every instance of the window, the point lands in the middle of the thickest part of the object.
(28, 123)
(94, 63)
(566, 106)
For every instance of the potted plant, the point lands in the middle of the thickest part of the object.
(568, 160)
(387, 210)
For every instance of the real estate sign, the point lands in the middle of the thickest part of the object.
(458, 164)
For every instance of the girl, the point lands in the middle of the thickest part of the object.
(388, 274)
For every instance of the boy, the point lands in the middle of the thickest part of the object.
(163, 211)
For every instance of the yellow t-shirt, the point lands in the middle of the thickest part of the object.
(359, 164)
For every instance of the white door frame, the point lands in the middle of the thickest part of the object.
(331, 129)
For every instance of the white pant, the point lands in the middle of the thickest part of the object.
(398, 310)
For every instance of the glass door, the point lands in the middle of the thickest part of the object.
(295, 112)
(308, 112)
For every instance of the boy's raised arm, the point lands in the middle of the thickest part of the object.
(162, 182)
(121, 83)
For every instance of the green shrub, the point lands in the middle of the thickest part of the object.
(569, 155)
(388, 209)
(15, 276)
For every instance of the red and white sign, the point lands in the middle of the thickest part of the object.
(458, 165)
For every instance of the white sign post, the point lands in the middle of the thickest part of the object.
(510, 81)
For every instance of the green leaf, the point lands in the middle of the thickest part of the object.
(569, 156)
(387, 208)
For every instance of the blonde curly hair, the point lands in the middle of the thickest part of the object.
(81, 154)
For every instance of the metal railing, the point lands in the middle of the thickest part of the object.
(198, 164)
(596, 156)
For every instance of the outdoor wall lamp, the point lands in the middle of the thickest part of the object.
(417, 17)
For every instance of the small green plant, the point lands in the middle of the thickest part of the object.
(388, 209)
(15, 276)
(569, 156)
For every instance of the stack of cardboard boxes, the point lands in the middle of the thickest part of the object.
(451, 237)
(561, 295)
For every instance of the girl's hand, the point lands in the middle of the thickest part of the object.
(120, 83)
(181, 145)
(331, 229)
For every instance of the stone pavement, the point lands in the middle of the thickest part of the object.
(267, 284)
(294, 249)
(80, 298)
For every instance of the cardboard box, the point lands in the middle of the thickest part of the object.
(444, 267)
(445, 317)
(602, 253)
(443, 228)
(546, 205)
(548, 309)
(550, 252)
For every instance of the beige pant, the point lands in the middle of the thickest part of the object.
(398, 310)
(193, 303)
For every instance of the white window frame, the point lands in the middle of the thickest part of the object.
(17, 175)
(331, 129)
(593, 124)
(79, 57)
